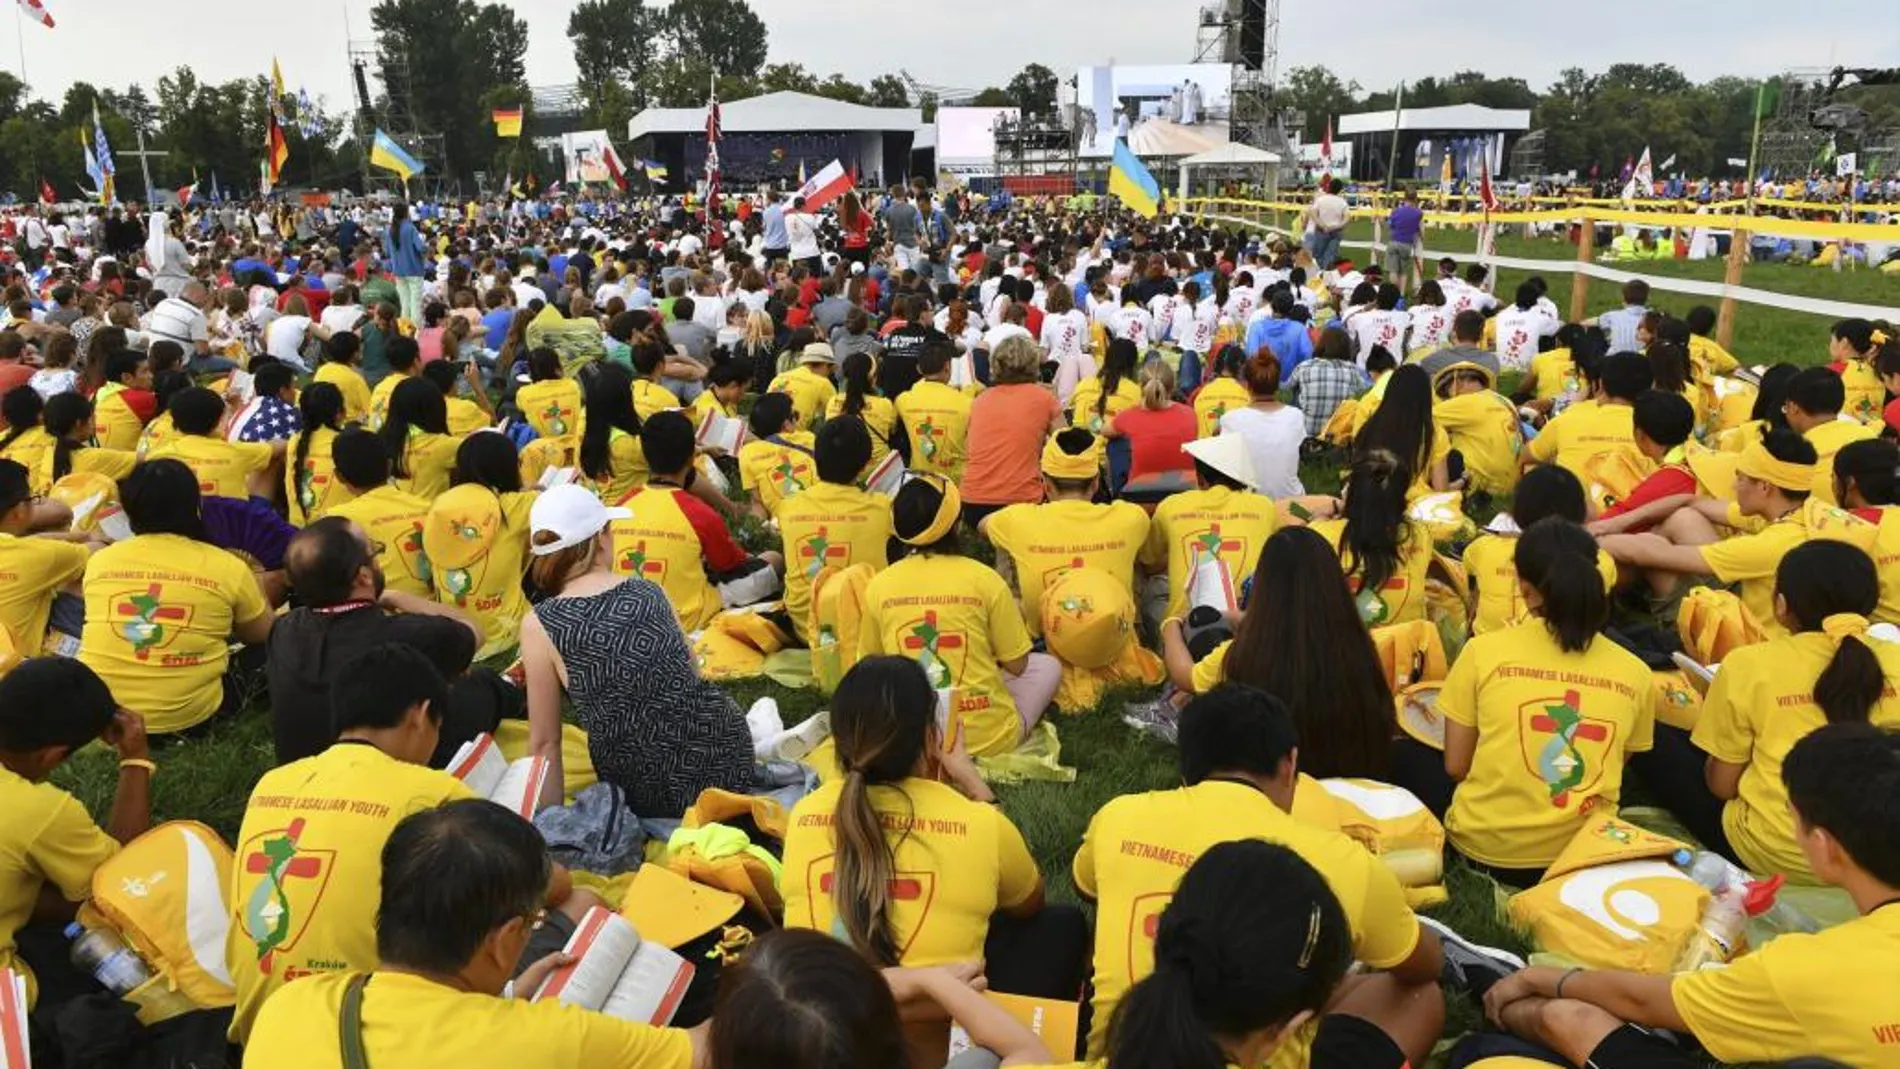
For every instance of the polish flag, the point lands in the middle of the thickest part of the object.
(36, 11)
(825, 186)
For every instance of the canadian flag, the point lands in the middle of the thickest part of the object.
(36, 11)
(825, 186)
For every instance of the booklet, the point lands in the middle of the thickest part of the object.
(722, 432)
(16, 1052)
(887, 476)
(1054, 1021)
(479, 764)
(617, 973)
(553, 477)
(1212, 586)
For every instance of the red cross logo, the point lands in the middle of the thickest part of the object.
(1211, 543)
(929, 644)
(146, 623)
(636, 562)
(818, 551)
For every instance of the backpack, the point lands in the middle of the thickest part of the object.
(1609, 478)
(1712, 622)
(457, 536)
(1442, 513)
(1397, 828)
(1411, 654)
(728, 841)
(1612, 900)
(837, 612)
(164, 894)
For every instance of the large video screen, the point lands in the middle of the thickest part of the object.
(1177, 110)
(966, 137)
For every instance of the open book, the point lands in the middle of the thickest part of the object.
(1212, 585)
(553, 477)
(617, 973)
(15, 1050)
(1053, 1021)
(887, 476)
(722, 432)
(479, 764)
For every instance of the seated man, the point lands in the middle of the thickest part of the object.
(1831, 995)
(1813, 409)
(49, 846)
(1481, 425)
(1238, 755)
(391, 516)
(1224, 520)
(34, 572)
(224, 469)
(833, 523)
(1772, 508)
(346, 611)
(387, 706)
(677, 541)
(460, 891)
(651, 363)
(1602, 425)
(125, 402)
(1069, 530)
(778, 462)
(935, 414)
(403, 355)
(809, 384)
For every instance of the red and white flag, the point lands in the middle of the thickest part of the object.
(47, 196)
(713, 132)
(1487, 195)
(36, 11)
(614, 167)
(1326, 153)
(825, 186)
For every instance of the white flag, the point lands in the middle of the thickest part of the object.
(1846, 164)
(1668, 163)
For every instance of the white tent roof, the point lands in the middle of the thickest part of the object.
(1474, 117)
(776, 113)
(1232, 153)
(1160, 137)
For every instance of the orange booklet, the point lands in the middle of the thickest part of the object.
(480, 764)
(617, 973)
(15, 1050)
(1054, 1021)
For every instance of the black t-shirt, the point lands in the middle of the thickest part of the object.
(901, 349)
(309, 647)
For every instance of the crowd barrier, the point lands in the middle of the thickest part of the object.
(1302, 198)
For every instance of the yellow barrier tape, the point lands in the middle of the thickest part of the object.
(1646, 204)
(1754, 223)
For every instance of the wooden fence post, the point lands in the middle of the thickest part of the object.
(1580, 282)
(1725, 316)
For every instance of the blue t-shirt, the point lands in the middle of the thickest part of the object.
(1405, 221)
(497, 322)
(247, 264)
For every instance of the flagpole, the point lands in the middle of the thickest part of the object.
(19, 36)
(1754, 148)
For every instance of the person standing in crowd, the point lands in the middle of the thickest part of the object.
(406, 255)
(1325, 219)
(1401, 247)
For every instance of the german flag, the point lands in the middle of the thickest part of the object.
(507, 122)
(276, 150)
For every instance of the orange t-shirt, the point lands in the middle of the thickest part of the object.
(1007, 427)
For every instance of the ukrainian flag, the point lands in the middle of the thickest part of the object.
(388, 155)
(1131, 182)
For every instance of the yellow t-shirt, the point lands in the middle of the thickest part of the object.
(465, 416)
(160, 609)
(379, 399)
(778, 467)
(428, 459)
(552, 407)
(1707, 358)
(32, 570)
(409, 1020)
(1760, 704)
(311, 486)
(957, 862)
(1046, 540)
(114, 424)
(626, 466)
(114, 464)
(1583, 431)
(658, 543)
(1554, 730)
(1866, 394)
(47, 838)
(485, 580)
(33, 450)
(1215, 400)
(1484, 428)
(937, 419)
(155, 434)
(879, 416)
(223, 468)
(1749, 560)
(650, 399)
(1401, 599)
(1491, 570)
(957, 618)
(810, 393)
(705, 403)
(829, 525)
(309, 867)
(1556, 375)
(1138, 846)
(1886, 553)
(349, 382)
(1127, 395)
(1190, 527)
(1830, 438)
(1833, 995)
(392, 519)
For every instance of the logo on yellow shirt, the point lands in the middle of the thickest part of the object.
(145, 621)
(1144, 921)
(278, 911)
(1374, 609)
(927, 433)
(933, 648)
(790, 473)
(905, 887)
(1209, 544)
(309, 486)
(1573, 749)
(556, 419)
(636, 562)
(817, 551)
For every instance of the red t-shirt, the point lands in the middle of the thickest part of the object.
(1891, 415)
(1666, 482)
(1155, 439)
(1032, 321)
(808, 292)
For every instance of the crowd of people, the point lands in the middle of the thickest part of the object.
(438, 472)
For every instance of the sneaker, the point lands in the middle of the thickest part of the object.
(1157, 719)
(1468, 966)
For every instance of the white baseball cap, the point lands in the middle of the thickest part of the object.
(573, 514)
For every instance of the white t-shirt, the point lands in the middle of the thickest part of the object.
(61, 234)
(1273, 445)
(1002, 332)
(1431, 326)
(710, 312)
(180, 321)
(1241, 303)
(527, 292)
(1135, 324)
(1374, 327)
(1065, 335)
(803, 230)
(1518, 330)
(608, 291)
(340, 317)
(1162, 307)
(1467, 298)
(690, 245)
(1194, 327)
(284, 338)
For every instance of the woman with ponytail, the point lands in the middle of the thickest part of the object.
(1155, 433)
(310, 482)
(861, 400)
(24, 442)
(910, 801)
(1098, 400)
(1540, 717)
(68, 422)
(1382, 551)
(1856, 347)
(1403, 426)
(1769, 696)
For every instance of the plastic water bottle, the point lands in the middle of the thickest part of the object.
(1733, 900)
(104, 955)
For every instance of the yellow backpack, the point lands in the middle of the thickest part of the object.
(1397, 828)
(736, 644)
(1612, 900)
(1610, 477)
(457, 535)
(1411, 654)
(722, 842)
(1442, 513)
(837, 611)
(1712, 622)
(164, 894)
(91, 495)
(1088, 621)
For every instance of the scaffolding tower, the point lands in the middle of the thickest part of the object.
(1790, 145)
(392, 112)
(1245, 35)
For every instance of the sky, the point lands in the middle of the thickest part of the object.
(116, 42)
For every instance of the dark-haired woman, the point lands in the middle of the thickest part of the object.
(860, 399)
(907, 859)
(1383, 552)
(1769, 696)
(1403, 426)
(610, 454)
(1224, 391)
(1540, 717)
(310, 482)
(416, 433)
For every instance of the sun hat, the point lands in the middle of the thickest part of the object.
(1227, 454)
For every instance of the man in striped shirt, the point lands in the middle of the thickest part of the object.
(1620, 325)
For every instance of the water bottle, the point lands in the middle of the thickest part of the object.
(106, 957)
(1733, 900)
